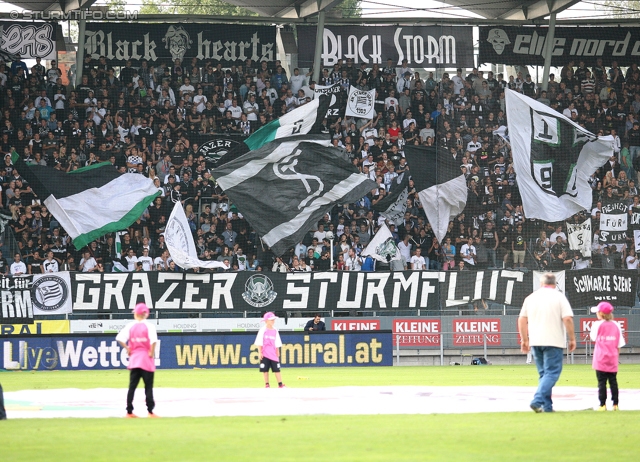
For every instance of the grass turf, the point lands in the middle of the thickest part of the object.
(562, 436)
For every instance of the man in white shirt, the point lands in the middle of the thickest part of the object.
(391, 102)
(50, 265)
(236, 111)
(296, 82)
(352, 262)
(468, 252)
(88, 264)
(405, 248)
(187, 88)
(146, 260)
(554, 236)
(251, 109)
(458, 82)
(474, 144)
(162, 262)
(417, 261)
(18, 268)
(132, 260)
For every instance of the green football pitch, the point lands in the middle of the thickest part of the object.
(565, 436)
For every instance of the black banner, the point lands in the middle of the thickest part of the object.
(421, 46)
(15, 299)
(525, 45)
(214, 148)
(337, 96)
(29, 39)
(228, 44)
(590, 287)
(250, 291)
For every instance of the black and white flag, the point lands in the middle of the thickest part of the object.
(335, 93)
(382, 247)
(553, 158)
(284, 188)
(614, 223)
(360, 103)
(394, 204)
(440, 184)
(579, 237)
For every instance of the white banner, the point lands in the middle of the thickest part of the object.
(360, 103)
(579, 236)
(51, 293)
(636, 239)
(560, 279)
(180, 242)
(614, 223)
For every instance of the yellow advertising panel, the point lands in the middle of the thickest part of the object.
(37, 328)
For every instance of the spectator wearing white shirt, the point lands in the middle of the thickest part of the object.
(18, 268)
(131, 260)
(468, 252)
(50, 265)
(146, 260)
(88, 264)
(405, 248)
(417, 261)
(296, 82)
(352, 262)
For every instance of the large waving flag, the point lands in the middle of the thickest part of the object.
(382, 247)
(440, 183)
(91, 201)
(180, 243)
(553, 158)
(284, 188)
(394, 204)
(301, 121)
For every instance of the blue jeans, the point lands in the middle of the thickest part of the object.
(549, 363)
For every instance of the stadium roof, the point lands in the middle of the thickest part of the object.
(489, 9)
(47, 5)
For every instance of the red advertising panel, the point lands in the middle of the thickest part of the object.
(416, 332)
(585, 327)
(472, 332)
(355, 324)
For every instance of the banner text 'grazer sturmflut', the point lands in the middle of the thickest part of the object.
(421, 46)
(248, 291)
(72, 352)
(228, 44)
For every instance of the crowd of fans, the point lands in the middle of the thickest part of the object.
(150, 120)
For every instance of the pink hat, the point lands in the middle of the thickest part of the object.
(269, 316)
(141, 308)
(603, 307)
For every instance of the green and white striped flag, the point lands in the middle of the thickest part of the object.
(307, 119)
(92, 201)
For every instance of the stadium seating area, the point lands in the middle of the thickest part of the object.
(152, 121)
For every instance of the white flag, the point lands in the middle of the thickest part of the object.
(360, 103)
(579, 237)
(180, 244)
(553, 158)
(636, 239)
(382, 247)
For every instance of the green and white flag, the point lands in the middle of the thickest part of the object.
(92, 201)
(301, 121)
